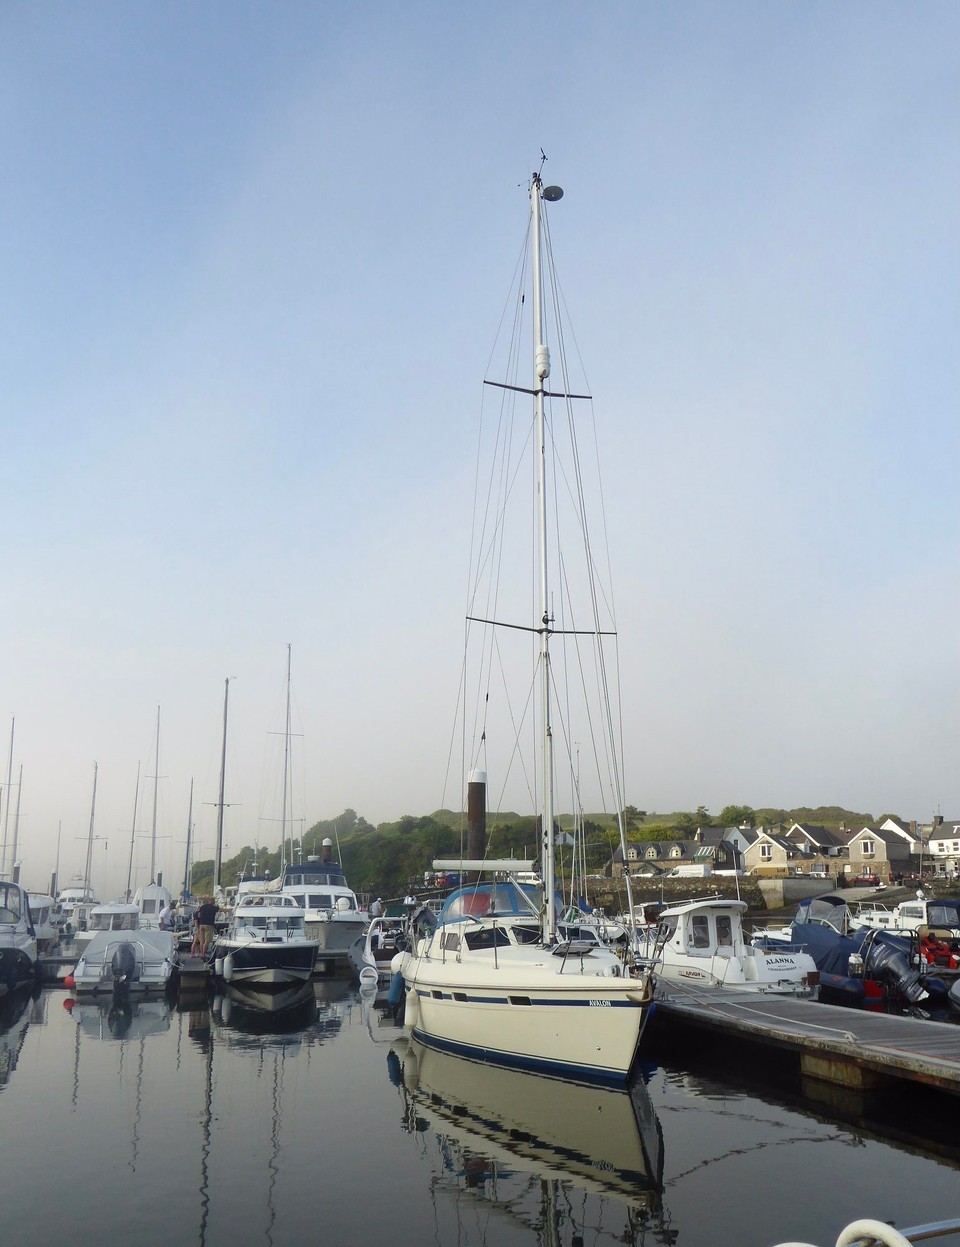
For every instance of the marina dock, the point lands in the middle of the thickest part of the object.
(849, 1048)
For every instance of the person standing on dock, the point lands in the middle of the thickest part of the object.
(206, 917)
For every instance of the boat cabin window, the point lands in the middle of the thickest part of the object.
(946, 914)
(9, 903)
(320, 900)
(724, 929)
(486, 937)
(700, 931)
(149, 906)
(666, 929)
(526, 935)
(293, 923)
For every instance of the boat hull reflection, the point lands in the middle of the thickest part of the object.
(121, 1017)
(606, 1141)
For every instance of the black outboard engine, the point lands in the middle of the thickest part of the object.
(891, 965)
(123, 965)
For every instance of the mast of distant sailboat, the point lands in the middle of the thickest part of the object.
(223, 775)
(89, 863)
(286, 776)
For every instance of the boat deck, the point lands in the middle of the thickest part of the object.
(849, 1047)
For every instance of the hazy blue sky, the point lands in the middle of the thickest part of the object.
(253, 258)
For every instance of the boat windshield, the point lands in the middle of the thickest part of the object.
(112, 922)
(482, 899)
(943, 914)
(293, 923)
(9, 903)
(824, 909)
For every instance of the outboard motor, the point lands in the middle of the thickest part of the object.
(123, 966)
(891, 965)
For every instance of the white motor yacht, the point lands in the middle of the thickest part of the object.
(18, 941)
(332, 914)
(43, 912)
(702, 943)
(265, 945)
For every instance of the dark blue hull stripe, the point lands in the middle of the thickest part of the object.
(465, 998)
(511, 1060)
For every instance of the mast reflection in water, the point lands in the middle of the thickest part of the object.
(543, 1153)
(234, 1124)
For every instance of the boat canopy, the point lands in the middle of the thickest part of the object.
(508, 899)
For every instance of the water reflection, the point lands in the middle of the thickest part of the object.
(564, 1160)
(308, 1013)
(15, 1017)
(120, 1017)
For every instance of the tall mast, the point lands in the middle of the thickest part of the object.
(16, 822)
(223, 776)
(541, 370)
(93, 807)
(286, 776)
(6, 811)
(186, 866)
(133, 834)
(156, 784)
(55, 881)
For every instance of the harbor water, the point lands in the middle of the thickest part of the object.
(226, 1125)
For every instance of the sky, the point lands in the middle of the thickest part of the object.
(253, 260)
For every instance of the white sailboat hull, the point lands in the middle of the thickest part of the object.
(529, 1012)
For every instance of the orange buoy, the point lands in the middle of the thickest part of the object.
(69, 1003)
(70, 981)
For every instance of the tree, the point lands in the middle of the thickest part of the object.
(738, 816)
(632, 818)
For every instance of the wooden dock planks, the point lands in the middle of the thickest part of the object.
(832, 1042)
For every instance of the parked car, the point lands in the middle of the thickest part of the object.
(867, 880)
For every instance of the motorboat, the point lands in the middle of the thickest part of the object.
(265, 945)
(492, 979)
(372, 953)
(137, 962)
(702, 943)
(151, 900)
(43, 912)
(18, 940)
(913, 915)
(76, 901)
(108, 916)
(332, 915)
(859, 966)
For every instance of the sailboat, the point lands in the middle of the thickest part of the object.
(492, 978)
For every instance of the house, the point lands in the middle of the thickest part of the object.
(708, 845)
(880, 851)
(775, 853)
(943, 846)
(819, 840)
